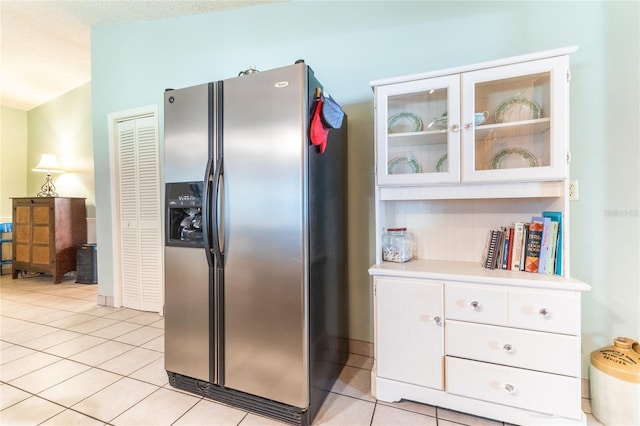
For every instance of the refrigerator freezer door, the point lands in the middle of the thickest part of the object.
(187, 323)
(189, 286)
(265, 308)
(188, 132)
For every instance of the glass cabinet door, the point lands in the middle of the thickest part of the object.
(512, 129)
(418, 131)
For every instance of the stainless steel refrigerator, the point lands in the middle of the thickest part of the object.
(255, 244)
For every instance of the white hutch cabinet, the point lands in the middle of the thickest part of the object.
(460, 152)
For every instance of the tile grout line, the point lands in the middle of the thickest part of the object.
(32, 395)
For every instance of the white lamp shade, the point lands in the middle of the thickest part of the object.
(48, 164)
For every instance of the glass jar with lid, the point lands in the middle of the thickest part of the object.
(397, 245)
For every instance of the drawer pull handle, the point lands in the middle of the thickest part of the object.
(475, 305)
(510, 389)
(507, 347)
(544, 313)
(437, 320)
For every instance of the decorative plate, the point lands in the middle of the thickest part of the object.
(404, 122)
(403, 165)
(442, 165)
(517, 109)
(513, 158)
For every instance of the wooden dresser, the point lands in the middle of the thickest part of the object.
(46, 231)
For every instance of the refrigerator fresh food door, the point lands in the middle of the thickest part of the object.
(265, 244)
(189, 285)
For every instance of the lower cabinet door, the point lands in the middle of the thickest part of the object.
(530, 390)
(409, 331)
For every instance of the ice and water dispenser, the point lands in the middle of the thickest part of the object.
(184, 214)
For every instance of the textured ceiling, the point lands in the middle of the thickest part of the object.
(45, 45)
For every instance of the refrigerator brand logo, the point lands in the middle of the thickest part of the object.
(281, 84)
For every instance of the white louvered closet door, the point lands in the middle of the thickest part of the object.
(140, 214)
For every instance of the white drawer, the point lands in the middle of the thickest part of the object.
(557, 312)
(534, 350)
(530, 390)
(476, 303)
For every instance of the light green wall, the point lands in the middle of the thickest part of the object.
(605, 137)
(349, 44)
(63, 127)
(13, 158)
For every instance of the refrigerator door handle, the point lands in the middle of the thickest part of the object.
(208, 178)
(215, 215)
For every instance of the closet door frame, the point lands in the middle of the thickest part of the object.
(114, 170)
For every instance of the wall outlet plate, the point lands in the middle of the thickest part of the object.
(573, 190)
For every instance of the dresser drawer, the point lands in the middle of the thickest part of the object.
(542, 392)
(553, 311)
(476, 303)
(533, 350)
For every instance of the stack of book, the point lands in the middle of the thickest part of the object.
(534, 246)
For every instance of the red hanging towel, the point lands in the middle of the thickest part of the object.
(317, 132)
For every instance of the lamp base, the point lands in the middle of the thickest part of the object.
(48, 189)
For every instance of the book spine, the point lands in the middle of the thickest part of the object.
(507, 248)
(525, 238)
(557, 216)
(518, 231)
(532, 253)
(497, 264)
(544, 244)
(553, 240)
(491, 252)
(510, 253)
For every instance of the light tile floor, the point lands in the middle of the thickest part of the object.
(64, 360)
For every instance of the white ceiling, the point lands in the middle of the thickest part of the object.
(45, 45)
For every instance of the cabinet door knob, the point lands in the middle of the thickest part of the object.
(455, 127)
(508, 347)
(467, 126)
(475, 305)
(437, 320)
(510, 389)
(544, 313)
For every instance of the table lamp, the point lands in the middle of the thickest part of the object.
(48, 164)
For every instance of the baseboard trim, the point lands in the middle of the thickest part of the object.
(360, 347)
(105, 301)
